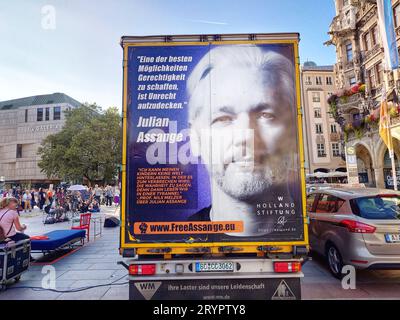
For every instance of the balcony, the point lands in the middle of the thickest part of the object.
(349, 65)
(354, 101)
(334, 137)
(367, 55)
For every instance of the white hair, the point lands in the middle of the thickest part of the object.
(278, 70)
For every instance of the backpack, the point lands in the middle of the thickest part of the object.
(3, 234)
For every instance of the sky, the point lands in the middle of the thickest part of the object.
(72, 46)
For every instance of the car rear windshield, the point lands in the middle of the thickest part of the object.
(377, 207)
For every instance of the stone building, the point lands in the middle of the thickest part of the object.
(360, 78)
(322, 133)
(24, 123)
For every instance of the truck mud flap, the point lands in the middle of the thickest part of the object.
(216, 289)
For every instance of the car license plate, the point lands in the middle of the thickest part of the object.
(214, 266)
(392, 238)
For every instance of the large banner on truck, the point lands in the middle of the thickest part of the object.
(212, 143)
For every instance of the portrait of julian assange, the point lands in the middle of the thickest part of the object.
(243, 127)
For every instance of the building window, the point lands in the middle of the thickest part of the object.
(352, 80)
(379, 73)
(329, 81)
(316, 97)
(308, 81)
(349, 52)
(396, 16)
(371, 78)
(317, 113)
(335, 150)
(333, 128)
(367, 42)
(47, 114)
(39, 114)
(19, 151)
(321, 150)
(318, 80)
(318, 128)
(57, 113)
(345, 3)
(374, 35)
(26, 115)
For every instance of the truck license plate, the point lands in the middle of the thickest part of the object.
(214, 266)
(392, 238)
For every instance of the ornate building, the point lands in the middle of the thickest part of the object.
(360, 78)
(322, 133)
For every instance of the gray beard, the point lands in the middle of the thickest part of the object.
(248, 186)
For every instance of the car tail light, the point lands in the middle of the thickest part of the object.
(357, 227)
(285, 267)
(142, 269)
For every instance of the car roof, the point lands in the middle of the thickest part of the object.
(351, 193)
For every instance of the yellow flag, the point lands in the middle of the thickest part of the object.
(384, 121)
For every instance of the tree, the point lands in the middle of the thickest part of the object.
(89, 146)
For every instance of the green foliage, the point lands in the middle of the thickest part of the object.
(346, 136)
(89, 145)
(358, 133)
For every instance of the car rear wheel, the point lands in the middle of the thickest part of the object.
(335, 261)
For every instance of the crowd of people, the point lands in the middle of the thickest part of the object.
(61, 200)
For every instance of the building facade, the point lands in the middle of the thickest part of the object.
(360, 77)
(24, 123)
(322, 133)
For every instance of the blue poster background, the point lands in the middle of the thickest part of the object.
(199, 195)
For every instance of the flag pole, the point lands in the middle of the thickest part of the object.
(391, 60)
(391, 150)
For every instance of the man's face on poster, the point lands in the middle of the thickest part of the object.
(252, 129)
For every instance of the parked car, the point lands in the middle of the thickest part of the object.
(356, 226)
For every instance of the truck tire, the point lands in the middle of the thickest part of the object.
(335, 261)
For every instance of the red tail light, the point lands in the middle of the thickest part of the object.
(142, 269)
(357, 227)
(285, 267)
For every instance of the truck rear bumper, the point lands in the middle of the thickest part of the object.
(217, 287)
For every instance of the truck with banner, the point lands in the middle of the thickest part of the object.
(213, 181)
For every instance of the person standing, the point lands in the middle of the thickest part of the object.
(42, 198)
(97, 193)
(50, 195)
(116, 197)
(33, 202)
(109, 196)
(27, 201)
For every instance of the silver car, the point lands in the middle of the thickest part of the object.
(360, 227)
